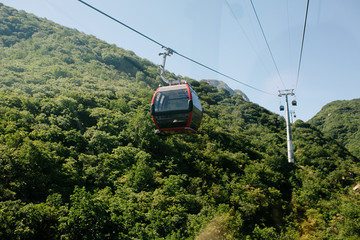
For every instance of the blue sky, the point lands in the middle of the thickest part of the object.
(225, 35)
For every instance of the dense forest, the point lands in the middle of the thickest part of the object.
(341, 121)
(80, 160)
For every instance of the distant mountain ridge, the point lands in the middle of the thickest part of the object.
(341, 120)
(221, 85)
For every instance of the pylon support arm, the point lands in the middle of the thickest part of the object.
(286, 92)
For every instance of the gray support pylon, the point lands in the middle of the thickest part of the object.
(288, 126)
(288, 133)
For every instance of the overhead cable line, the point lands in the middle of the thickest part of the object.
(247, 37)
(222, 74)
(288, 25)
(267, 43)
(163, 46)
(127, 26)
(302, 43)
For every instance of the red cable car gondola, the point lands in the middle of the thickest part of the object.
(176, 109)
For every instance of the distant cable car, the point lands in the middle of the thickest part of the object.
(282, 108)
(176, 109)
(293, 102)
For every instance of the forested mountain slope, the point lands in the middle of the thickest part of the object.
(341, 121)
(222, 85)
(79, 160)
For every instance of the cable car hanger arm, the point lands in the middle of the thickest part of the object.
(168, 52)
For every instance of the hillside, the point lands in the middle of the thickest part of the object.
(79, 158)
(341, 121)
(222, 85)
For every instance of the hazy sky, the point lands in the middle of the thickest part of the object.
(225, 35)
